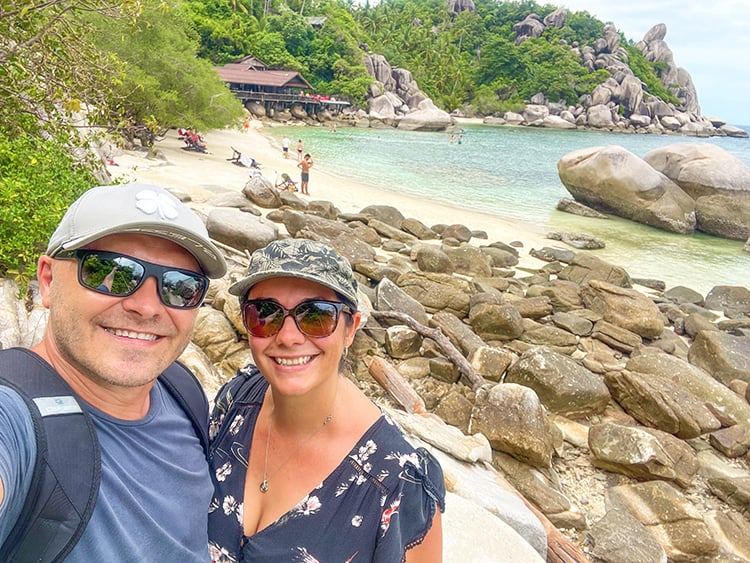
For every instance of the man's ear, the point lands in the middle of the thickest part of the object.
(44, 276)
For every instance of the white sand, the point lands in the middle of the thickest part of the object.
(203, 175)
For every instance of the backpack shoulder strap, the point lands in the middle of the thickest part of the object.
(246, 383)
(67, 472)
(188, 392)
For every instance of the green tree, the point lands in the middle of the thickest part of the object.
(164, 83)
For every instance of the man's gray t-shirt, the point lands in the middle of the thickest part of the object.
(155, 489)
(17, 456)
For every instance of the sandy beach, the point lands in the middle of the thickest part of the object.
(203, 175)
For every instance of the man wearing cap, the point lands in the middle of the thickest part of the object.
(109, 340)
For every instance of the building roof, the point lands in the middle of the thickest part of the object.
(254, 71)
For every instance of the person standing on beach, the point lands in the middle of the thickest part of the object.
(300, 149)
(305, 165)
(285, 146)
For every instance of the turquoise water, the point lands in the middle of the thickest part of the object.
(511, 172)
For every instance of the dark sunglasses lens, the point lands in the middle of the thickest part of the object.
(117, 275)
(181, 289)
(316, 318)
(262, 318)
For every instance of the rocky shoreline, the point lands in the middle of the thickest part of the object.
(617, 408)
(571, 375)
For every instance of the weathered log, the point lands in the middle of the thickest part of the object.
(450, 351)
(395, 385)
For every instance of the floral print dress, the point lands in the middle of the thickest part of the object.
(376, 504)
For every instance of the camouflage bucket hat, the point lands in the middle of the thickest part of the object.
(300, 258)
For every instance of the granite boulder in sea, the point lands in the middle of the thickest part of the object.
(679, 188)
(573, 408)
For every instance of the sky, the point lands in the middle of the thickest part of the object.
(709, 39)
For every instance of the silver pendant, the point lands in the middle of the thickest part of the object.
(264, 486)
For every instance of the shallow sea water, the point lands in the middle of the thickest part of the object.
(511, 172)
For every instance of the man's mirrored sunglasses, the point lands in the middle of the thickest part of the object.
(315, 318)
(120, 275)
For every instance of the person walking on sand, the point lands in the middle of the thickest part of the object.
(305, 165)
(285, 146)
(300, 149)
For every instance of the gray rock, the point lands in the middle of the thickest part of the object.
(239, 230)
(459, 333)
(385, 213)
(668, 516)
(618, 537)
(729, 298)
(720, 399)
(642, 453)
(513, 420)
(389, 297)
(661, 404)
(585, 267)
(433, 259)
(562, 385)
(701, 169)
(495, 321)
(613, 180)
(261, 192)
(468, 260)
(623, 307)
(724, 356)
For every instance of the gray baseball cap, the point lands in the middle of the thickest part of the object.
(136, 208)
(300, 258)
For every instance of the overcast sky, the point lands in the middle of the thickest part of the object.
(709, 38)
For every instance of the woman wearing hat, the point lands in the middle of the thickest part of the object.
(306, 467)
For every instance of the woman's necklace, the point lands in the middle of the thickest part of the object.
(263, 487)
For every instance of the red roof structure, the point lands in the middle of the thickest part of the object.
(252, 74)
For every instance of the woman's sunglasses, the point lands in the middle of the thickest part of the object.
(315, 318)
(120, 275)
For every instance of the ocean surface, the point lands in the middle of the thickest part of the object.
(511, 172)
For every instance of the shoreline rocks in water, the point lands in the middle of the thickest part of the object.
(621, 416)
(680, 188)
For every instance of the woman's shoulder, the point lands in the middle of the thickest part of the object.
(248, 385)
(397, 466)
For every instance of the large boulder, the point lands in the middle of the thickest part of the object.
(614, 180)
(701, 169)
(426, 117)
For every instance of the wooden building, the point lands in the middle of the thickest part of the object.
(251, 80)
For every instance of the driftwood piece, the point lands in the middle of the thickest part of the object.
(559, 548)
(395, 385)
(463, 365)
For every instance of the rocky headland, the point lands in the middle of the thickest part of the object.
(622, 103)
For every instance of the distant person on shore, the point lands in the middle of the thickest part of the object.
(285, 146)
(300, 149)
(305, 165)
(246, 125)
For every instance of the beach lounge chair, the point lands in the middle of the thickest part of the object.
(241, 159)
(285, 183)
